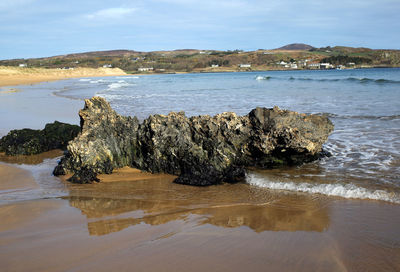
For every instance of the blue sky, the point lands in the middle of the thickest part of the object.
(40, 28)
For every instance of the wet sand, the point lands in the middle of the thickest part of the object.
(151, 224)
(15, 178)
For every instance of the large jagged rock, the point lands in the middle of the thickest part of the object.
(29, 141)
(200, 150)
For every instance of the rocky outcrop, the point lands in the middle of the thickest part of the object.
(200, 150)
(29, 141)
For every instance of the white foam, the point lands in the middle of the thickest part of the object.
(118, 85)
(97, 81)
(334, 189)
(85, 79)
(262, 77)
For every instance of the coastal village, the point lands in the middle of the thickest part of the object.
(290, 57)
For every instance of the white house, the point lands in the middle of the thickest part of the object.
(214, 65)
(107, 66)
(326, 65)
(23, 65)
(314, 65)
(145, 69)
(245, 65)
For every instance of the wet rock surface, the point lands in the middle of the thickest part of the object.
(29, 141)
(200, 150)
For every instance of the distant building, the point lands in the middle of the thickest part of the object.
(314, 65)
(245, 65)
(107, 66)
(326, 66)
(145, 69)
(302, 62)
(23, 65)
(214, 65)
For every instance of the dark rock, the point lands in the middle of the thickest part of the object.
(84, 175)
(29, 141)
(200, 150)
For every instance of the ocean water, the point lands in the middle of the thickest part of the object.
(363, 104)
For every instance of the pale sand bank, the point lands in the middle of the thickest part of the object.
(10, 76)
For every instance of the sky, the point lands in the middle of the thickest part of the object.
(42, 28)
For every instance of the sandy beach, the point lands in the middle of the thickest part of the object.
(10, 76)
(151, 224)
(143, 222)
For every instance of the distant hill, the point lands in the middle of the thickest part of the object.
(108, 53)
(195, 60)
(296, 46)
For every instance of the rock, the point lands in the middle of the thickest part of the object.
(29, 141)
(200, 150)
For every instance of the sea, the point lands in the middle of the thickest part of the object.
(363, 104)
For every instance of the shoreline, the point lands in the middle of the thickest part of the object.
(136, 219)
(29, 76)
(213, 70)
(13, 76)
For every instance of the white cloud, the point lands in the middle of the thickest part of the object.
(110, 13)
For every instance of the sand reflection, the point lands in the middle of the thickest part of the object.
(114, 206)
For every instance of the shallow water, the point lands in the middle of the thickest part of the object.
(364, 105)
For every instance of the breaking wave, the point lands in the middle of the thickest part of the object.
(349, 79)
(118, 85)
(368, 80)
(263, 77)
(334, 189)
